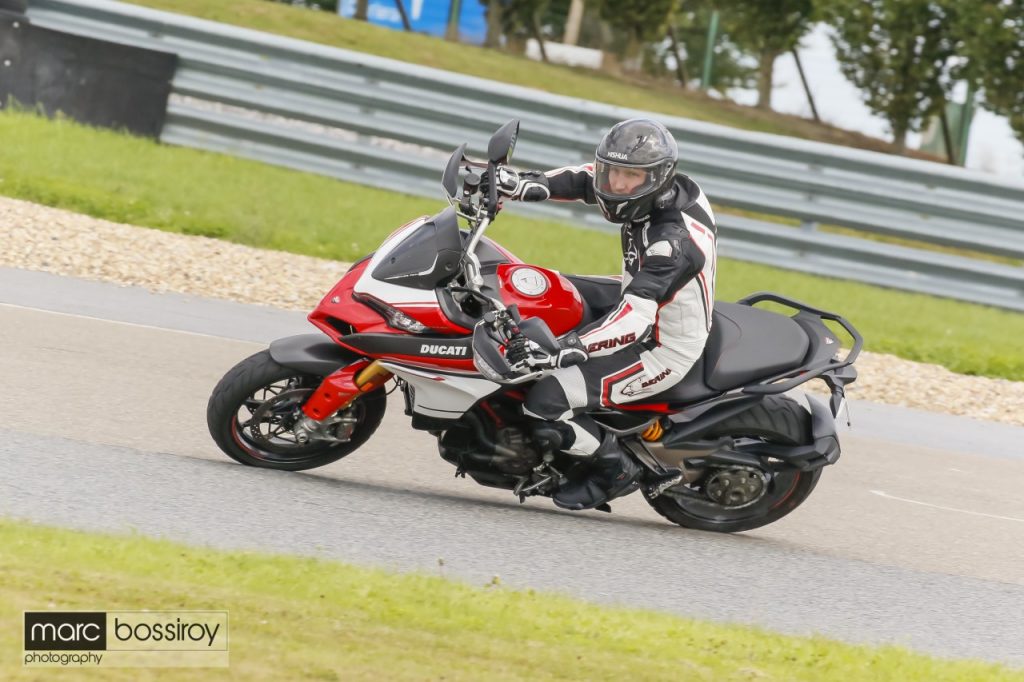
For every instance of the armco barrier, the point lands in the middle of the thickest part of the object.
(389, 124)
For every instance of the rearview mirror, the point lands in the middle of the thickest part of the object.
(503, 142)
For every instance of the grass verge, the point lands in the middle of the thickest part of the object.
(650, 95)
(295, 618)
(136, 181)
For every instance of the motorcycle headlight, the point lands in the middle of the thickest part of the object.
(395, 318)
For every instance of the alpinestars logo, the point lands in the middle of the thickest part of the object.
(623, 340)
(631, 255)
(641, 384)
(434, 349)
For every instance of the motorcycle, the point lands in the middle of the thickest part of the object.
(430, 312)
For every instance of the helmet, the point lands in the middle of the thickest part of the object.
(635, 165)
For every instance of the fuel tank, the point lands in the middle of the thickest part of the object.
(543, 293)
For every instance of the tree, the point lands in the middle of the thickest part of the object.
(993, 35)
(768, 28)
(639, 20)
(900, 54)
(516, 19)
(690, 22)
(494, 22)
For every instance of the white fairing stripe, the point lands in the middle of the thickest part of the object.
(395, 294)
(446, 396)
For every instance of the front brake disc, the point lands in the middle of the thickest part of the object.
(283, 407)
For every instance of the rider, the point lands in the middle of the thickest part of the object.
(649, 341)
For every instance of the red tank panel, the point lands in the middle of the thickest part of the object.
(543, 293)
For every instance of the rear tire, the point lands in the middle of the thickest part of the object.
(239, 392)
(778, 420)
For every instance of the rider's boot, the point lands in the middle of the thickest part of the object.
(613, 473)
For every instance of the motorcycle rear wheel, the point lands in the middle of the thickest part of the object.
(778, 420)
(259, 388)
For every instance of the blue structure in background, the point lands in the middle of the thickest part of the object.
(426, 16)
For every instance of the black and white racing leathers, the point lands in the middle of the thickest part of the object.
(651, 339)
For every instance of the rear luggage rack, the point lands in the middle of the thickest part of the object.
(835, 373)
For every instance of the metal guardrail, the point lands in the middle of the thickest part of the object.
(389, 124)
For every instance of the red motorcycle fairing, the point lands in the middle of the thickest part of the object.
(355, 325)
(334, 391)
(339, 314)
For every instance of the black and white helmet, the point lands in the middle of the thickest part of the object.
(635, 166)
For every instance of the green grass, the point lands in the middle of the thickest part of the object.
(295, 618)
(329, 29)
(136, 181)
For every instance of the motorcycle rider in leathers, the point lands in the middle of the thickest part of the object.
(650, 340)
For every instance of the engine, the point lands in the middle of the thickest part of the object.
(515, 456)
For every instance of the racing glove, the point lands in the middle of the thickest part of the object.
(522, 353)
(525, 186)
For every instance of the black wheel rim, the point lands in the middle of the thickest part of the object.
(262, 424)
(782, 484)
(780, 488)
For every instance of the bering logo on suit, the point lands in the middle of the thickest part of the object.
(642, 383)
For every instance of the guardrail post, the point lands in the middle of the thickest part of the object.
(709, 52)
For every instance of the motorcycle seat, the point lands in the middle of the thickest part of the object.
(746, 344)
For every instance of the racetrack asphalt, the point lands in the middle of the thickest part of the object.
(915, 537)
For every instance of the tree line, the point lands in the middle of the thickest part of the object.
(905, 56)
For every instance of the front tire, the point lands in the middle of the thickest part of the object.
(260, 388)
(777, 419)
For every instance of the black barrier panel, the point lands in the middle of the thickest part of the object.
(13, 6)
(93, 81)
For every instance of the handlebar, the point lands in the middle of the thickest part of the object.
(479, 215)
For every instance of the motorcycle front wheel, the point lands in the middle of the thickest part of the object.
(254, 408)
(706, 504)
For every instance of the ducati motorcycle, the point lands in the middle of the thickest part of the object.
(429, 313)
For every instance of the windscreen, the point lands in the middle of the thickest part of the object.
(426, 257)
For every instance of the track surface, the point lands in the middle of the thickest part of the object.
(916, 537)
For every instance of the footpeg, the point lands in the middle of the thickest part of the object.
(662, 483)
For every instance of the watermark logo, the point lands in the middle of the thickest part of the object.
(126, 638)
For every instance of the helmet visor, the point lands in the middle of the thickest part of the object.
(615, 181)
